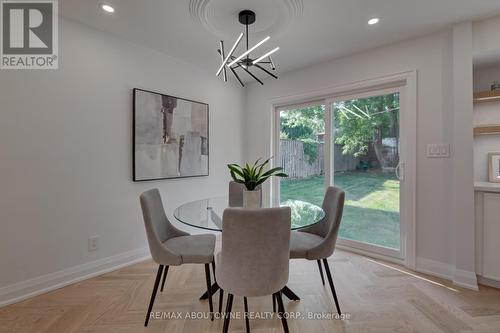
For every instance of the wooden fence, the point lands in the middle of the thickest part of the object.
(296, 163)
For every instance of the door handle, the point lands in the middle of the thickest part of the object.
(400, 171)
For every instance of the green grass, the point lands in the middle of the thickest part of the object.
(371, 212)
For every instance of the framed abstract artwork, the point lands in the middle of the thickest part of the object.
(171, 137)
(494, 167)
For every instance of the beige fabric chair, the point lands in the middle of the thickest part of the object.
(236, 193)
(255, 254)
(318, 241)
(170, 246)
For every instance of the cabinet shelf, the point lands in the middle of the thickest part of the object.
(486, 96)
(486, 187)
(487, 130)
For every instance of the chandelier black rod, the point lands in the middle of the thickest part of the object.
(250, 73)
(236, 75)
(272, 63)
(265, 70)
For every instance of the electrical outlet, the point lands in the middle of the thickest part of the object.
(441, 150)
(93, 243)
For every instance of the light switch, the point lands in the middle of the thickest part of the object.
(93, 243)
(441, 150)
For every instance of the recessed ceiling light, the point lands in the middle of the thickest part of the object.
(373, 21)
(107, 8)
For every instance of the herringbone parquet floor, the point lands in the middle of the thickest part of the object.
(378, 297)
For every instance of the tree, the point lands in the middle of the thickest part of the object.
(358, 123)
(304, 124)
(364, 121)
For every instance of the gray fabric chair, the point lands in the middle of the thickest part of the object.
(317, 242)
(254, 257)
(236, 193)
(170, 246)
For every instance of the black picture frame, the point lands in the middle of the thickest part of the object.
(134, 132)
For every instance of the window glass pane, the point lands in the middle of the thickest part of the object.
(302, 132)
(365, 162)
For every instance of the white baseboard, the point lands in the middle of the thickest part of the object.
(25, 289)
(435, 268)
(465, 279)
(488, 282)
(446, 271)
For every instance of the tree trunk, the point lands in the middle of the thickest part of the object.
(377, 147)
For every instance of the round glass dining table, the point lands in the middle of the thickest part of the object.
(207, 214)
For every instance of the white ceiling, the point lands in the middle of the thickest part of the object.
(312, 31)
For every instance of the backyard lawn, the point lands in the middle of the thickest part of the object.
(371, 212)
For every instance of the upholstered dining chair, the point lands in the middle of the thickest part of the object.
(170, 246)
(317, 242)
(254, 257)
(236, 193)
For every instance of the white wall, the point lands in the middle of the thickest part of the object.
(485, 39)
(65, 151)
(431, 56)
(462, 167)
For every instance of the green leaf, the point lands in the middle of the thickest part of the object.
(246, 175)
(273, 170)
(236, 169)
(281, 174)
(261, 167)
(236, 179)
(262, 180)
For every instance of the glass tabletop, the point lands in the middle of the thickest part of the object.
(207, 213)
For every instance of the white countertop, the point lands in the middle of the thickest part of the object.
(486, 187)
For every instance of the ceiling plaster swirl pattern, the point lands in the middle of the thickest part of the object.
(220, 17)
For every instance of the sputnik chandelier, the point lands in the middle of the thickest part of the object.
(244, 61)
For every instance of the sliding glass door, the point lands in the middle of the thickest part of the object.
(365, 163)
(353, 142)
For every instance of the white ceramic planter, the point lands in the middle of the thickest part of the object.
(252, 199)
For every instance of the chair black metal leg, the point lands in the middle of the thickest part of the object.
(209, 291)
(164, 278)
(274, 303)
(330, 280)
(214, 289)
(153, 295)
(321, 271)
(247, 320)
(221, 299)
(227, 315)
(290, 294)
(281, 311)
(221, 293)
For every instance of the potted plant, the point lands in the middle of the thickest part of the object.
(252, 177)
